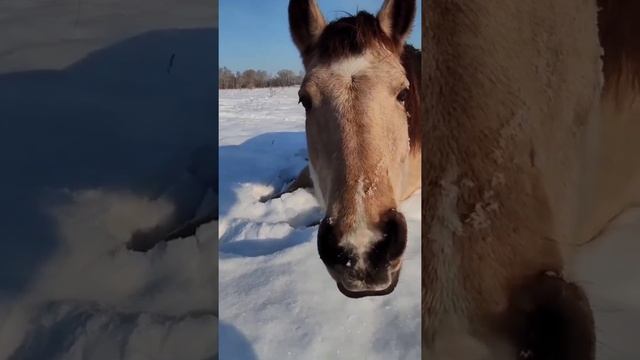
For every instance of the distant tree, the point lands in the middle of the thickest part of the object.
(286, 77)
(248, 79)
(251, 78)
(226, 78)
(300, 77)
(262, 79)
(238, 83)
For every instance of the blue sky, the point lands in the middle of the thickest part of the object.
(255, 33)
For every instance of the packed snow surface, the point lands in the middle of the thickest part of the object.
(277, 300)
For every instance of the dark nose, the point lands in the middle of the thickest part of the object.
(393, 227)
(329, 249)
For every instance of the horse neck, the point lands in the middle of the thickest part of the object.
(507, 85)
(510, 85)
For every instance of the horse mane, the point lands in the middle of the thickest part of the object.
(412, 62)
(619, 30)
(352, 36)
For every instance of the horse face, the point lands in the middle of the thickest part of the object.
(354, 95)
(358, 146)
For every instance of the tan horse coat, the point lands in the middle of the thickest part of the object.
(527, 153)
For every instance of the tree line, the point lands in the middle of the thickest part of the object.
(251, 78)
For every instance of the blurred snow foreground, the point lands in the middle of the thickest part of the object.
(107, 145)
(94, 299)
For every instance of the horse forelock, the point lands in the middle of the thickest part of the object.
(348, 37)
(411, 61)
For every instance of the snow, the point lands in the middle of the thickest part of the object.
(607, 268)
(103, 136)
(277, 300)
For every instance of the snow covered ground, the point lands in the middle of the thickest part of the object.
(609, 269)
(277, 300)
(107, 129)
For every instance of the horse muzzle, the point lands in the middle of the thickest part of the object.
(372, 270)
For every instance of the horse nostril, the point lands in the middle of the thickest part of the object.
(394, 238)
(330, 251)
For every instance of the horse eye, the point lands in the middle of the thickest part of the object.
(403, 95)
(305, 101)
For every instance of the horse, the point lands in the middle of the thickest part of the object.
(361, 97)
(531, 122)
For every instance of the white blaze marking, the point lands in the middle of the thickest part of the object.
(350, 66)
(361, 237)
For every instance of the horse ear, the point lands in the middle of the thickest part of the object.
(306, 23)
(396, 18)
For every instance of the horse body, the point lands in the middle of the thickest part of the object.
(529, 152)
